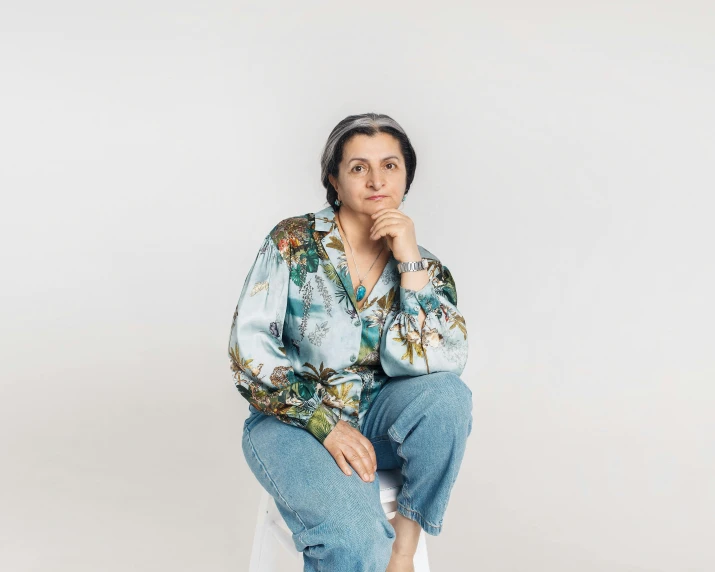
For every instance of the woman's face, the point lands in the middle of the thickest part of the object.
(372, 174)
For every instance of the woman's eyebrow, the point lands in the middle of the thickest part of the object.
(366, 161)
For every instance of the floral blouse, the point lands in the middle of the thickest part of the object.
(301, 350)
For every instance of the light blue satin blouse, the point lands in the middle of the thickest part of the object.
(301, 350)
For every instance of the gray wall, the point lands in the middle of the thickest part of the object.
(565, 176)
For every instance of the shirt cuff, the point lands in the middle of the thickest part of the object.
(412, 300)
(322, 421)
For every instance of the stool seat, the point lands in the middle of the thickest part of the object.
(272, 529)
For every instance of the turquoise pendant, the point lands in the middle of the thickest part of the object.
(360, 293)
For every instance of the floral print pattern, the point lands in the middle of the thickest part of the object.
(300, 348)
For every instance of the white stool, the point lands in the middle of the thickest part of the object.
(271, 528)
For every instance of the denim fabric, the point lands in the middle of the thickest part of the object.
(417, 423)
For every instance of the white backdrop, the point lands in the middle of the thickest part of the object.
(565, 155)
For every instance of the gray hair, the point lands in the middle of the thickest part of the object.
(367, 124)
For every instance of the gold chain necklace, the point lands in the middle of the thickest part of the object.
(360, 291)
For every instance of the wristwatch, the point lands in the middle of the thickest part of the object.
(412, 266)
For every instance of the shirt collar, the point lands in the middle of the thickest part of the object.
(325, 219)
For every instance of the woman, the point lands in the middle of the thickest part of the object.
(348, 344)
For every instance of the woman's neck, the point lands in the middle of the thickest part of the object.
(357, 226)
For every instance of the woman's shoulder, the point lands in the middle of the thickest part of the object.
(298, 226)
(293, 232)
(294, 226)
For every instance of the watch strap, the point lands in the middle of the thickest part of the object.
(412, 266)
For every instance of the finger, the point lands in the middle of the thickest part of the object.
(342, 462)
(381, 212)
(379, 225)
(359, 459)
(367, 444)
(392, 229)
(389, 214)
(371, 451)
(388, 218)
(364, 447)
(396, 217)
(367, 453)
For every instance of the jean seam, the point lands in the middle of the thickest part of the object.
(268, 476)
(412, 511)
(405, 488)
(406, 492)
(408, 509)
(392, 432)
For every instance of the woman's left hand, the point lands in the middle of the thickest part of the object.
(399, 230)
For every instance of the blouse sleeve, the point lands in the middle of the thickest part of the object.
(442, 343)
(262, 371)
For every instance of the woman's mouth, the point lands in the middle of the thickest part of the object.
(376, 198)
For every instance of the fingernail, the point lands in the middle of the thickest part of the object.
(366, 476)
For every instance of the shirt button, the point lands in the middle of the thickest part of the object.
(356, 323)
(352, 357)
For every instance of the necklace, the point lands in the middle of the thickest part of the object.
(360, 291)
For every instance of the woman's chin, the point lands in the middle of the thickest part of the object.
(373, 205)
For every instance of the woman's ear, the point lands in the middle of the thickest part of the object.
(333, 182)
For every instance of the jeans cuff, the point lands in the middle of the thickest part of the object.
(428, 527)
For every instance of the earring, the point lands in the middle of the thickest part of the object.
(403, 198)
(337, 202)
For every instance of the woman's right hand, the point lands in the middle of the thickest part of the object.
(347, 445)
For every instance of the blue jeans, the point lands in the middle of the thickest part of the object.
(419, 424)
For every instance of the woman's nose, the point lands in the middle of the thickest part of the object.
(376, 180)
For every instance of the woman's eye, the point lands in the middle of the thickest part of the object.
(357, 166)
(393, 165)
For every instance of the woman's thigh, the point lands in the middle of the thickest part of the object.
(310, 490)
(404, 400)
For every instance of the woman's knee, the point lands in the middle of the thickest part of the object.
(457, 386)
(451, 400)
(450, 389)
